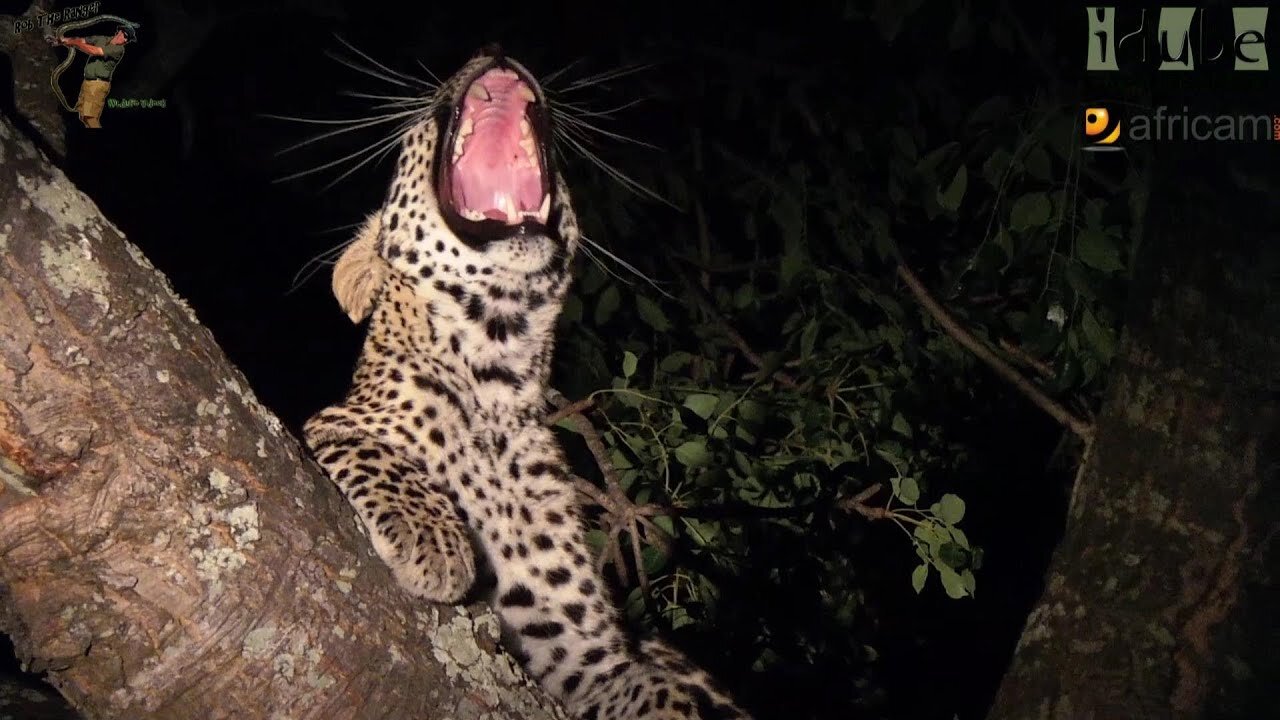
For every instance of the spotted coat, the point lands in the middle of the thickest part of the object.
(440, 448)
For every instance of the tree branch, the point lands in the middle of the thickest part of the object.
(1003, 369)
(174, 553)
(620, 512)
(1017, 353)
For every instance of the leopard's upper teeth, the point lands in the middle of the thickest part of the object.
(530, 152)
(464, 131)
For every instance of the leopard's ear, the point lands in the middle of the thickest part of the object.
(360, 271)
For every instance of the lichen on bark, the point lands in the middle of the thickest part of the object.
(166, 548)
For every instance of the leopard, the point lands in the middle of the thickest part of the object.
(439, 444)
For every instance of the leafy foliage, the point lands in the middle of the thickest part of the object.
(783, 371)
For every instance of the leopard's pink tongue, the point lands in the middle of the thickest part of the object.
(496, 172)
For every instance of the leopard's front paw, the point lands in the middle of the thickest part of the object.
(413, 526)
(432, 560)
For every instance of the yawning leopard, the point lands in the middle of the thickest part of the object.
(439, 444)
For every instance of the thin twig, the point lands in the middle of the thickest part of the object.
(620, 511)
(858, 504)
(1055, 410)
(574, 408)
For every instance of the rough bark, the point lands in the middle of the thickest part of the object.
(166, 551)
(1160, 599)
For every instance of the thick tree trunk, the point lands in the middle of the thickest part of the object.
(165, 549)
(1160, 601)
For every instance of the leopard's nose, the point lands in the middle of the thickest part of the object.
(493, 50)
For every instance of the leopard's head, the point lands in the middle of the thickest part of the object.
(475, 196)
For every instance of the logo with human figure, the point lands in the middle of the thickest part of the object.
(103, 55)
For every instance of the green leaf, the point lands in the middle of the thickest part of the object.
(678, 617)
(908, 491)
(1004, 241)
(993, 170)
(950, 509)
(1037, 163)
(596, 540)
(793, 262)
(969, 581)
(767, 659)
(634, 604)
(654, 560)
(961, 539)
(929, 163)
(1081, 279)
(607, 305)
(651, 314)
(702, 404)
(571, 313)
(702, 532)
(951, 197)
(901, 426)
(918, 577)
(990, 110)
(1095, 249)
(1099, 337)
(619, 459)
(951, 582)
(629, 362)
(665, 523)
(807, 340)
(674, 361)
(930, 534)
(953, 555)
(693, 453)
(1030, 211)
(903, 142)
(751, 411)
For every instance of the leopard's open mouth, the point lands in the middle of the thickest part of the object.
(494, 180)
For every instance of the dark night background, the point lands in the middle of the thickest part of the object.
(206, 206)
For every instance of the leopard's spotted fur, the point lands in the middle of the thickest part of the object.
(439, 442)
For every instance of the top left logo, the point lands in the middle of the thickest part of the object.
(103, 55)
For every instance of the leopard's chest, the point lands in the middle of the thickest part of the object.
(493, 459)
(509, 476)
